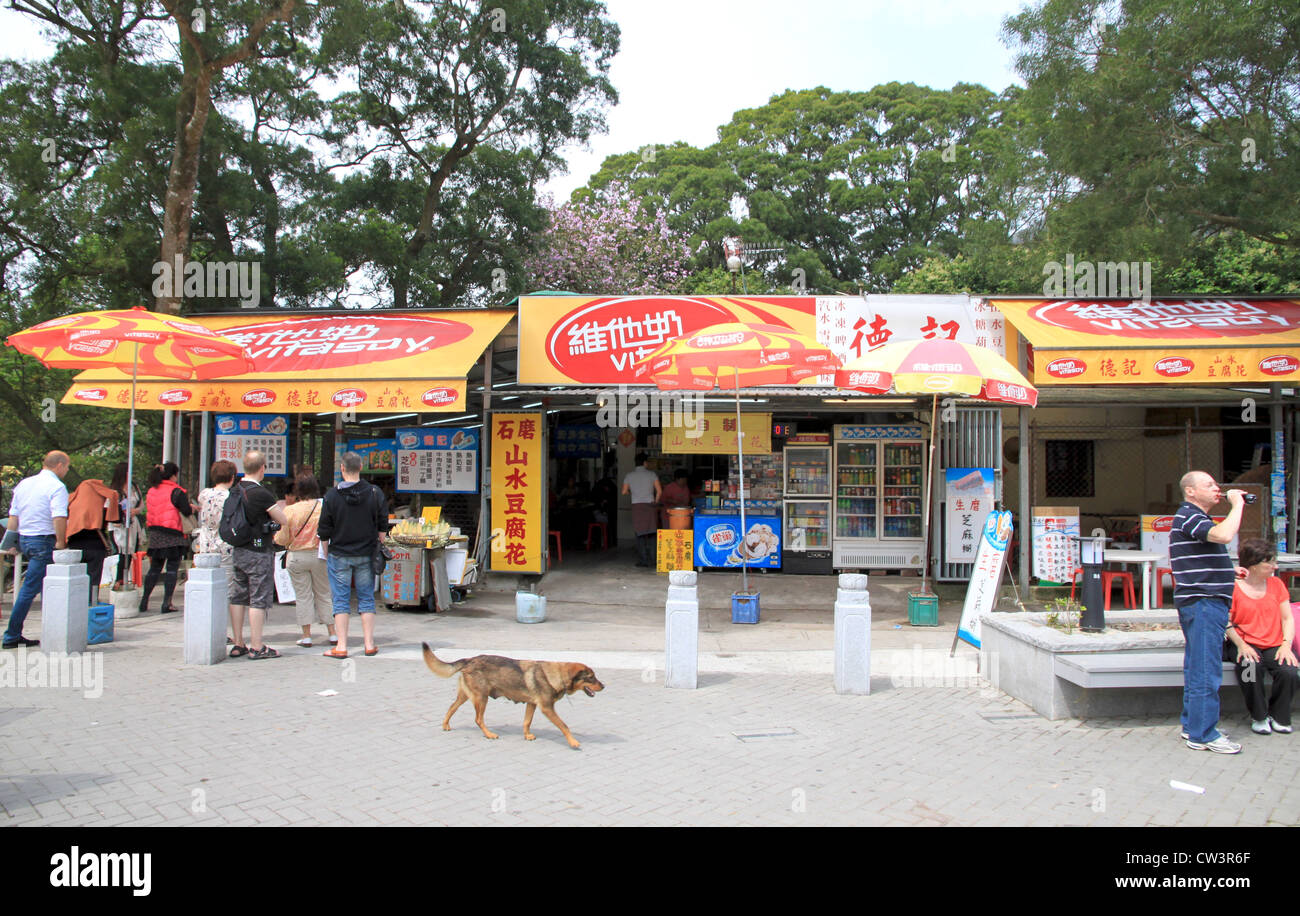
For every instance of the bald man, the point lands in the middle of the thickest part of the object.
(39, 513)
(1203, 579)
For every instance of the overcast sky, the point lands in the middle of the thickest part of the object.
(687, 65)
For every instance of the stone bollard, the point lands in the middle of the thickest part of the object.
(65, 608)
(853, 635)
(681, 630)
(207, 611)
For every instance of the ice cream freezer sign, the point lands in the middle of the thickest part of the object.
(267, 433)
(437, 460)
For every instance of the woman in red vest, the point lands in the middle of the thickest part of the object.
(165, 503)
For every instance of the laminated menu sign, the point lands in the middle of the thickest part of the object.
(967, 503)
(437, 460)
(1056, 548)
(676, 550)
(266, 433)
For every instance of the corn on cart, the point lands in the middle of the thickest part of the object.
(429, 562)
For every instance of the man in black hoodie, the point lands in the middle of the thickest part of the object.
(353, 517)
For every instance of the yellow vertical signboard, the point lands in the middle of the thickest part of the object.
(676, 551)
(518, 476)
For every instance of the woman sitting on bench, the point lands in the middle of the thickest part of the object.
(1261, 628)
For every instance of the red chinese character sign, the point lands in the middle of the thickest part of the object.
(518, 478)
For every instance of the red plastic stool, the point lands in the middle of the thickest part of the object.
(1074, 580)
(1161, 572)
(559, 554)
(1126, 579)
(600, 528)
(1289, 576)
(137, 567)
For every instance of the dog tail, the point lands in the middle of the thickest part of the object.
(438, 666)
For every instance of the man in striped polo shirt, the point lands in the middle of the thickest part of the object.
(1203, 579)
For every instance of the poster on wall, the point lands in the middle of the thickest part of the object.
(1055, 547)
(437, 460)
(967, 503)
(378, 456)
(267, 433)
(518, 478)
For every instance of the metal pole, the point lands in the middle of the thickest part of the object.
(204, 464)
(740, 452)
(925, 499)
(127, 581)
(483, 544)
(1025, 480)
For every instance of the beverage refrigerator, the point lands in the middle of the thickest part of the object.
(807, 520)
(878, 480)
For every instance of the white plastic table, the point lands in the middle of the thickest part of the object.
(1148, 561)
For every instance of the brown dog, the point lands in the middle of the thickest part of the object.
(485, 677)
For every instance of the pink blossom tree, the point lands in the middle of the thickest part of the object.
(607, 243)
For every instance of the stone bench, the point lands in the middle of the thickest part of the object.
(1138, 669)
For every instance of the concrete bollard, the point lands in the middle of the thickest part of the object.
(853, 635)
(207, 611)
(65, 608)
(681, 631)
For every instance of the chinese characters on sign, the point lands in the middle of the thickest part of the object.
(1056, 549)
(986, 577)
(518, 476)
(968, 502)
(624, 339)
(577, 442)
(437, 460)
(237, 433)
(676, 550)
(715, 434)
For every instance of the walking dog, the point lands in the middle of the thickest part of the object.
(537, 684)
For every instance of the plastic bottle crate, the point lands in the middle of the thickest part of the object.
(922, 610)
(99, 626)
(744, 608)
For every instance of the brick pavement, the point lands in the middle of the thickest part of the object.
(252, 743)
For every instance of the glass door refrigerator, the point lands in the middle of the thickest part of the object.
(878, 496)
(807, 545)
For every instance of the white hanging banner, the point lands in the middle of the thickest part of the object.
(967, 502)
(986, 577)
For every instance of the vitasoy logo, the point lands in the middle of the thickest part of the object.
(174, 396)
(91, 394)
(1278, 365)
(1066, 367)
(1174, 366)
(603, 340)
(259, 397)
(439, 397)
(305, 344)
(348, 397)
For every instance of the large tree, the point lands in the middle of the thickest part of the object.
(1168, 119)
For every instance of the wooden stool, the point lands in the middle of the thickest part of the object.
(559, 553)
(598, 527)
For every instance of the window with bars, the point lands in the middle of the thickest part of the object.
(1069, 467)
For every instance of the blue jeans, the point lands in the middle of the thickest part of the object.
(342, 570)
(38, 553)
(1203, 621)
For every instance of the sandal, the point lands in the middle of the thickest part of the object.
(264, 652)
(334, 653)
(305, 643)
(229, 641)
(237, 651)
(374, 651)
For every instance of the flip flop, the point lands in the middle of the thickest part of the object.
(372, 651)
(334, 653)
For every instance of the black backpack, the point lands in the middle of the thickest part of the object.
(234, 528)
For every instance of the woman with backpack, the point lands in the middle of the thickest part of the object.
(165, 504)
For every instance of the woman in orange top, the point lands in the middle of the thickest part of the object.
(1261, 629)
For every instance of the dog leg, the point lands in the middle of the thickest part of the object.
(461, 697)
(480, 707)
(528, 722)
(559, 723)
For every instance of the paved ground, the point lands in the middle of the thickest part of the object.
(764, 740)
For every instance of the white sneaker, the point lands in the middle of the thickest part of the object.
(1261, 727)
(1278, 727)
(1220, 745)
(1185, 736)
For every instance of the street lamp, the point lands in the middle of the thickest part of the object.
(1092, 555)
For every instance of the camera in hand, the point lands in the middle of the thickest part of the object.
(268, 528)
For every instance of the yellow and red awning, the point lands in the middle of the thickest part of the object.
(1181, 341)
(370, 362)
